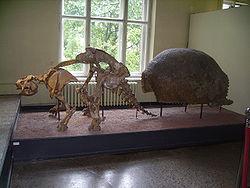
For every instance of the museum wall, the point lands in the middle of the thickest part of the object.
(29, 38)
(29, 35)
(171, 21)
(224, 35)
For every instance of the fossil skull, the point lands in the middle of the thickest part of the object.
(27, 87)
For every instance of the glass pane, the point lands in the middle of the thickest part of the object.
(104, 36)
(105, 8)
(74, 7)
(73, 41)
(134, 49)
(225, 6)
(135, 9)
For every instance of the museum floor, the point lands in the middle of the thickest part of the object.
(210, 166)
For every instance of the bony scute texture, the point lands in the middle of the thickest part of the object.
(184, 75)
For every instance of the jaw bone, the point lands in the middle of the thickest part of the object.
(27, 88)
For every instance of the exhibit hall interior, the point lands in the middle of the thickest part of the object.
(124, 93)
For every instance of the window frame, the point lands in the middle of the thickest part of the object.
(122, 40)
(232, 4)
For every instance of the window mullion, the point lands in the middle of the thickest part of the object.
(143, 47)
(145, 10)
(61, 49)
(147, 34)
(144, 41)
(123, 41)
(87, 32)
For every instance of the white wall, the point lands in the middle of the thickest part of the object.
(29, 37)
(225, 35)
(171, 21)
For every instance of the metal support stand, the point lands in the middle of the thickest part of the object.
(136, 113)
(239, 172)
(246, 150)
(102, 101)
(58, 111)
(201, 111)
(161, 110)
(186, 107)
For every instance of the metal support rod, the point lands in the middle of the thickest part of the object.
(186, 107)
(161, 110)
(102, 101)
(201, 111)
(58, 111)
(136, 113)
(239, 172)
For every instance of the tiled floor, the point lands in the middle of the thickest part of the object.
(211, 166)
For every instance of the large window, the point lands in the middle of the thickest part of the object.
(232, 4)
(120, 27)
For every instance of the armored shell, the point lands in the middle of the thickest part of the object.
(184, 75)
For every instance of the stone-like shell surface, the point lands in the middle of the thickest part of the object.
(184, 75)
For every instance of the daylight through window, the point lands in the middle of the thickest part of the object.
(120, 27)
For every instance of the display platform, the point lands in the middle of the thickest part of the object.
(36, 136)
